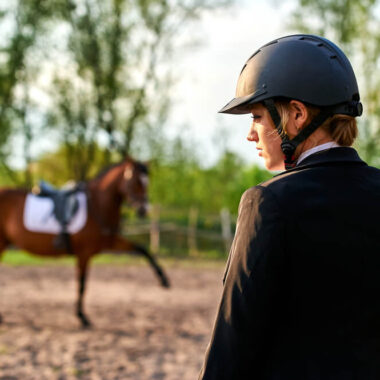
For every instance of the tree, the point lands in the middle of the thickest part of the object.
(105, 68)
(209, 189)
(51, 166)
(21, 22)
(355, 25)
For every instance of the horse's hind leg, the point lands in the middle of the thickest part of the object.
(121, 244)
(82, 274)
(3, 244)
(1, 317)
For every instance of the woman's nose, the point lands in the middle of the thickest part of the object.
(252, 134)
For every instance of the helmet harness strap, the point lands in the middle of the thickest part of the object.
(289, 146)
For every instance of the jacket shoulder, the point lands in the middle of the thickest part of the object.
(270, 188)
(314, 180)
(256, 193)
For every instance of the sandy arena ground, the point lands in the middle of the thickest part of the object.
(140, 330)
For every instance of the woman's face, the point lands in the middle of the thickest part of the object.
(268, 141)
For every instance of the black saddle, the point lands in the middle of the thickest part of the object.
(66, 206)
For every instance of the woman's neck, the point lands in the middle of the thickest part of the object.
(319, 137)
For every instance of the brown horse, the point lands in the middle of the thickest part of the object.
(105, 193)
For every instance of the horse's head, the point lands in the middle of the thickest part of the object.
(134, 186)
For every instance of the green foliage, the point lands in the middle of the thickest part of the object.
(23, 24)
(182, 182)
(344, 19)
(355, 25)
(52, 167)
(6, 178)
(87, 72)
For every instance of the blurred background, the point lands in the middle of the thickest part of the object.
(86, 83)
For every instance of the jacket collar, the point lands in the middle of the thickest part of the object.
(341, 155)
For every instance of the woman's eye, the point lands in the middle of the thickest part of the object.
(255, 117)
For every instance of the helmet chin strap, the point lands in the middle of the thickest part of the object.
(288, 146)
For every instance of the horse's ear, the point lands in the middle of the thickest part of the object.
(128, 172)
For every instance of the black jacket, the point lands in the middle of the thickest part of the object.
(301, 295)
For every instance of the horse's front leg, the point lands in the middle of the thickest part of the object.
(82, 273)
(122, 244)
(2, 247)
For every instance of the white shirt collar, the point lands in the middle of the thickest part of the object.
(329, 145)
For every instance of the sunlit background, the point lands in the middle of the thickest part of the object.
(84, 84)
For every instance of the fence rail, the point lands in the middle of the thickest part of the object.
(186, 232)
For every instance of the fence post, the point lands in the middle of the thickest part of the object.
(155, 229)
(192, 231)
(225, 219)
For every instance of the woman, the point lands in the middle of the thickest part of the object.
(301, 287)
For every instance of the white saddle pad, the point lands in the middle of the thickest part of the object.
(39, 217)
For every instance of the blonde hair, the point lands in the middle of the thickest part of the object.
(342, 128)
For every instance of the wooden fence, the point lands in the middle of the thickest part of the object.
(192, 227)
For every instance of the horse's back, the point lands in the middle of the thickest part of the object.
(12, 192)
(11, 199)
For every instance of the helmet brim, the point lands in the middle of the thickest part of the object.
(243, 104)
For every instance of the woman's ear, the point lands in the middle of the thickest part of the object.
(298, 115)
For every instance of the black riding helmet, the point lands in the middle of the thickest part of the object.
(303, 67)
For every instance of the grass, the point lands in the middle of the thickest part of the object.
(22, 258)
(19, 257)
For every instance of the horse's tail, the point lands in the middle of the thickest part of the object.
(11, 204)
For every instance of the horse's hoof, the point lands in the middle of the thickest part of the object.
(85, 322)
(165, 283)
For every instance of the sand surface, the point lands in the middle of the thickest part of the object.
(140, 330)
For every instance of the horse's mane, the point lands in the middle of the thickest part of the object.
(141, 167)
(106, 169)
